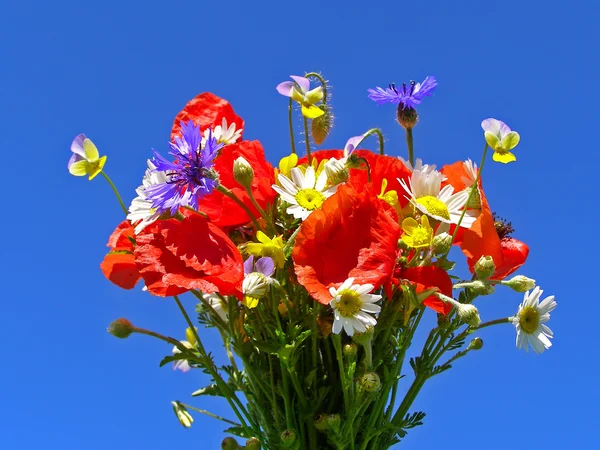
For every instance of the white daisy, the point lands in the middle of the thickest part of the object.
(223, 134)
(530, 319)
(471, 170)
(218, 304)
(182, 364)
(141, 209)
(305, 193)
(426, 193)
(352, 307)
(418, 166)
(254, 287)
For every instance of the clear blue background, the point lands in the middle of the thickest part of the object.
(120, 71)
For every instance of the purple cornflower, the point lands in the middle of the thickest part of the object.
(407, 96)
(189, 176)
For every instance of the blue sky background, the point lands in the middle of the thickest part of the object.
(120, 71)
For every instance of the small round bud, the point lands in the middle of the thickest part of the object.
(321, 126)
(321, 423)
(485, 267)
(475, 344)
(336, 171)
(349, 351)
(520, 283)
(333, 420)
(407, 116)
(370, 382)
(481, 287)
(182, 414)
(121, 328)
(243, 172)
(475, 201)
(441, 244)
(288, 438)
(229, 443)
(468, 314)
(252, 444)
(365, 337)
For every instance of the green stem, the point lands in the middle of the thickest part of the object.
(116, 191)
(167, 339)
(307, 136)
(494, 322)
(409, 144)
(473, 189)
(208, 413)
(337, 345)
(379, 134)
(290, 117)
(223, 190)
(321, 80)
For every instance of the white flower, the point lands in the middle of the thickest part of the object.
(471, 170)
(418, 166)
(352, 307)
(530, 319)
(218, 304)
(141, 209)
(255, 287)
(426, 193)
(182, 414)
(181, 364)
(305, 193)
(223, 134)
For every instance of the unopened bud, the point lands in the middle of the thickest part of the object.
(243, 172)
(333, 420)
(121, 328)
(441, 244)
(485, 267)
(475, 201)
(190, 336)
(349, 351)
(365, 337)
(475, 344)
(182, 414)
(229, 443)
(370, 382)
(407, 116)
(321, 126)
(336, 171)
(253, 444)
(288, 438)
(321, 423)
(520, 283)
(481, 287)
(468, 314)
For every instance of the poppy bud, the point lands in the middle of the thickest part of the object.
(121, 328)
(243, 172)
(253, 444)
(475, 344)
(321, 126)
(485, 267)
(370, 382)
(407, 116)
(441, 244)
(468, 314)
(229, 443)
(520, 283)
(288, 438)
(481, 287)
(182, 414)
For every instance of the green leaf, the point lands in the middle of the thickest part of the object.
(175, 357)
(238, 431)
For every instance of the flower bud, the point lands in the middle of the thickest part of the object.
(349, 351)
(481, 287)
(229, 443)
(321, 423)
(407, 116)
(485, 267)
(288, 438)
(243, 172)
(182, 414)
(369, 382)
(321, 126)
(468, 314)
(365, 337)
(190, 336)
(333, 420)
(253, 444)
(520, 283)
(475, 201)
(121, 328)
(475, 344)
(336, 171)
(441, 244)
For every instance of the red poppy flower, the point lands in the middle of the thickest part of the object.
(350, 236)
(223, 211)
(430, 277)
(208, 111)
(176, 256)
(514, 255)
(119, 265)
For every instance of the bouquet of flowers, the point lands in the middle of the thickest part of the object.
(316, 273)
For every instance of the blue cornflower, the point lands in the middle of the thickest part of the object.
(406, 96)
(189, 176)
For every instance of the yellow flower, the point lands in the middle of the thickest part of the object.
(417, 235)
(268, 247)
(299, 90)
(390, 197)
(501, 139)
(287, 164)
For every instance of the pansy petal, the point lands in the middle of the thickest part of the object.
(265, 265)
(303, 83)
(90, 151)
(504, 158)
(492, 140)
(510, 141)
(285, 88)
(492, 126)
(77, 145)
(79, 168)
(315, 95)
(312, 111)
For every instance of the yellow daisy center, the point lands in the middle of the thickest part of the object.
(434, 206)
(349, 303)
(310, 199)
(529, 319)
